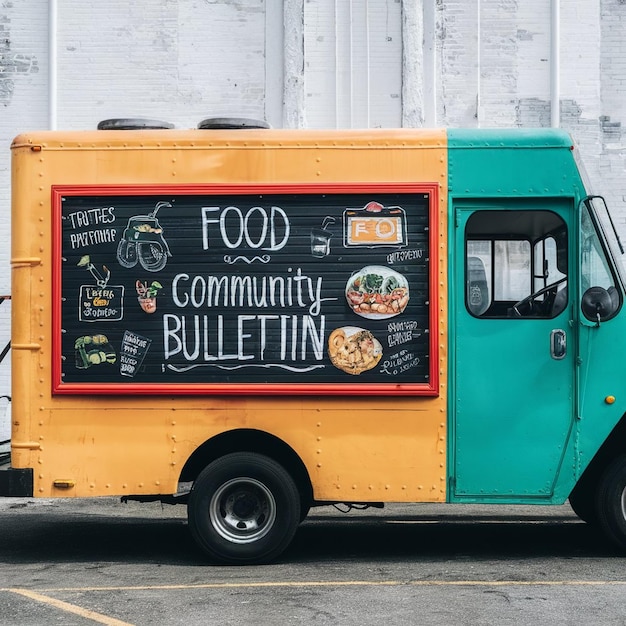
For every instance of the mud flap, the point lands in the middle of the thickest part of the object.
(16, 483)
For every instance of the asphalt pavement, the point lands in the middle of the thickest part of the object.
(77, 562)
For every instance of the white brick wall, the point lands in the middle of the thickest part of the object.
(353, 64)
(185, 60)
(180, 61)
(459, 63)
(23, 68)
(177, 60)
(23, 104)
(612, 157)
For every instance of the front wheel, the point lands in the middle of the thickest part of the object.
(611, 502)
(583, 502)
(243, 508)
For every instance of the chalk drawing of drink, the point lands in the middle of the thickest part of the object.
(143, 242)
(320, 239)
(132, 353)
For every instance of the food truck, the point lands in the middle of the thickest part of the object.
(253, 322)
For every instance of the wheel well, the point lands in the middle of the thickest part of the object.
(249, 440)
(614, 445)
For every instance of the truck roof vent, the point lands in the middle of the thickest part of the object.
(133, 123)
(225, 123)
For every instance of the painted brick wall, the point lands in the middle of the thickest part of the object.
(23, 68)
(353, 68)
(176, 60)
(612, 157)
(458, 72)
(23, 64)
(186, 60)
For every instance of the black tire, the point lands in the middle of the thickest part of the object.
(244, 508)
(304, 511)
(611, 502)
(583, 503)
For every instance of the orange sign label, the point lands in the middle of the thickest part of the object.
(364, 228)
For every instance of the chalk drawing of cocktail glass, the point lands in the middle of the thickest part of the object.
(320, 238)
(101, 281)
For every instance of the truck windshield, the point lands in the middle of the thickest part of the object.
(601, 217)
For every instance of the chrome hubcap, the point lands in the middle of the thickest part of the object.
(242, 510)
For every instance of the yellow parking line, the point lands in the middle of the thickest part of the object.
(110, 621)
(70, 608)
(341, 583)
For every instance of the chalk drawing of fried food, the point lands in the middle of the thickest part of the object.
(93, 350)
(354, 350)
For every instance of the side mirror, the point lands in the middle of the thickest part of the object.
(597, 304)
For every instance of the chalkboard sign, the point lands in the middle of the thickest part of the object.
(221, 289)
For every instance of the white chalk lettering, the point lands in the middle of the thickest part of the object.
(92, 237)
(92, 217)
(404, 255)
(259, 227)
(195, 338)
(296, 289)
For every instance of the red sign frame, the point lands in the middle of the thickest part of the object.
(431, 388)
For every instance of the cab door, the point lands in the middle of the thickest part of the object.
(513, 381)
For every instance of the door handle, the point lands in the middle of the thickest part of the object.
(558, 344)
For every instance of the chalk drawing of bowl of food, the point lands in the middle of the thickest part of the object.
(354, 350)
(377, 292)
(143, 242)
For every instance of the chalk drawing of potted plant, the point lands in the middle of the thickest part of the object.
(147, 295)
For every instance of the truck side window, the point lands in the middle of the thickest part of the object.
(515, 264)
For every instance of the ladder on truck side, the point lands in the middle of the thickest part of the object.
(5, 444)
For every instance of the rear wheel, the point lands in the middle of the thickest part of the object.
(611, 502)
(244, 508)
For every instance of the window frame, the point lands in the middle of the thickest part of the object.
(608, 256)
(537, 238)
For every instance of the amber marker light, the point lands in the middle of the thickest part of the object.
(63, 483)
(609, 399)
